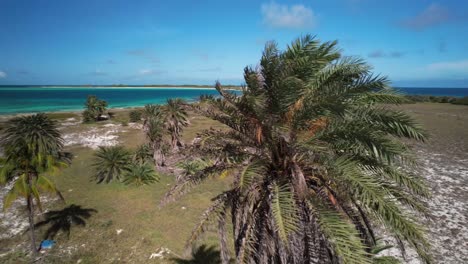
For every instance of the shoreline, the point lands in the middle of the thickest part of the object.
(15, 88)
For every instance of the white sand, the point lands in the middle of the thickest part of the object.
(95, 137)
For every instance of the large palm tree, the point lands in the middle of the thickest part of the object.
(316, 161)
(33, 149)
(175, 117)
(111, 163)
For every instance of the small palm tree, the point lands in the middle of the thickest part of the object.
(140, 174)
(150, 111)
(135, 115)
(33, 149)
(154, 133)
(143, 154)
(175, 118)
(110, 163)
(317, 161)
(94, 108)
(191, 167)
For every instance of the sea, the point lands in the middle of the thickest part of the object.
(25, 99)
(32, 99)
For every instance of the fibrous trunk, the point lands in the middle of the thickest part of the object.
(31, 221)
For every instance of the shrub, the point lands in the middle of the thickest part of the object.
(135, 116)
(88, 117)
(461, 101)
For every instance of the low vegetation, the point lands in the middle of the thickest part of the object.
(437, 99)
(135, 116)
(94, 109)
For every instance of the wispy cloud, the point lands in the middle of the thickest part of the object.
(284, 16)
(146, 72)
(3, 74)
(111, 62)
(433, 15)
(141, 53)
(382, 54)
(460, 66)
(99, 73)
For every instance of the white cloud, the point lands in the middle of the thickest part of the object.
(146, 72)
(3, 74)
(283, 16)
(460, 66)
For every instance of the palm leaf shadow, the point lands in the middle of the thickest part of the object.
(63, 220)
(201, 255)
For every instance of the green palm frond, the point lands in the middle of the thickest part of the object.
(251, 173)
(110, 163)
(284, 210)
(341, 234)
(140, 174)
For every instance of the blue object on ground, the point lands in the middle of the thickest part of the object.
(47, 244)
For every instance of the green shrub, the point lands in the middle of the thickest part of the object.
(88, 117)
(461, 101)
(135, 116)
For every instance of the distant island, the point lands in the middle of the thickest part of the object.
(229, 86)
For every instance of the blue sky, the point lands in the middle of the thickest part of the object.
(416, 43)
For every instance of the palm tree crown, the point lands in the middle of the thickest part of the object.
(316, 159)
(111, 163)
(140, 174)
(176, 119)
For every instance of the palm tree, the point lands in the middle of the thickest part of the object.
(150, 111)
(140, 174)
(317, 163)
(94, 108)
(33, 148)
(175, 119)
(110, 163)
(154, 133)
(190, 167)
(143, 154)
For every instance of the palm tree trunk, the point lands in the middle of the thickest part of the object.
(31, 220)
(158, 156)
(175, 143)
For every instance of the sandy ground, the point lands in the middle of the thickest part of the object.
(444, 163)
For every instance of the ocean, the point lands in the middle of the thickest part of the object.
(30, 99)
(36, 99)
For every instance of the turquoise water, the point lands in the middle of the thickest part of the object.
(36, 99)
(31, 99)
